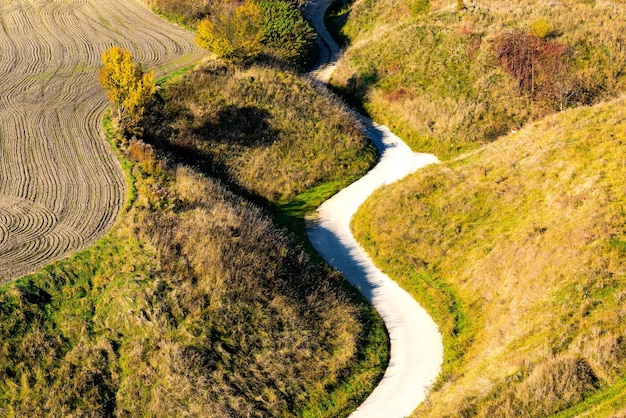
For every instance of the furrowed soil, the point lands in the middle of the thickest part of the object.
(61, 188)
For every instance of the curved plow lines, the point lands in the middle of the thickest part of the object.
(60, 187)
(22, 222)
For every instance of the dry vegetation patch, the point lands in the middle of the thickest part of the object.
(204, 309)
(518, 250)
(195, 304)
(60, 187)
(438, 79)
(268, 131)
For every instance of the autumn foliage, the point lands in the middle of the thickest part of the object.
(127, 86)
(541, 67)
(271, 29)
(234, 34)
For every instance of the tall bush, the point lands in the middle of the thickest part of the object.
(234, 34)
(128, 88)
(287, 35)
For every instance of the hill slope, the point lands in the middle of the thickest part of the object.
(448, 80)
(196, 303)
(519, 252)
(267, 131)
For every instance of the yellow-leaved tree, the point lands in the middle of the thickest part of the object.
(129, 89)
(234, 34)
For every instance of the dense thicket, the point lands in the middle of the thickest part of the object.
(239, 30)
(288, 36)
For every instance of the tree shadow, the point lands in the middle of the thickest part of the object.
(183, 139)
(243, 126)
(356, 89)
(336, 18)
(192, 139)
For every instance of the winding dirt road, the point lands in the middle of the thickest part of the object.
(416, 347)
(60, 186)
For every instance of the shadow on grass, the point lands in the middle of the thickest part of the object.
(336, 18)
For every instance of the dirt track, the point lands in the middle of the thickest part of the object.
(416, 351)
(60, 186)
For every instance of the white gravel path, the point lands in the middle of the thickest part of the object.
(416, 347)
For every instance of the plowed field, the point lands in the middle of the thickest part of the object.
(60, 186)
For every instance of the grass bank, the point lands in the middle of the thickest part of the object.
(517, 250)
(439, 75)
(195, 303)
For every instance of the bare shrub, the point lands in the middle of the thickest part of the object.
(542, 68)
(144, 154)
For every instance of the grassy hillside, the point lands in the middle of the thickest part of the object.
(519, 252)
(448, 79)
(196, 303)
(270, 134)
(268, 131)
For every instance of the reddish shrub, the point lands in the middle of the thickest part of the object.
(541, 67)
(144, 154)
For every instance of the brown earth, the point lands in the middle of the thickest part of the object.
(60, 186)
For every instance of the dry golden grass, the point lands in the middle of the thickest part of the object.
(526, 236)
(268, 131)
(195, 304)
(433, 79)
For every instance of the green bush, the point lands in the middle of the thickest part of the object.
(287, 35)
